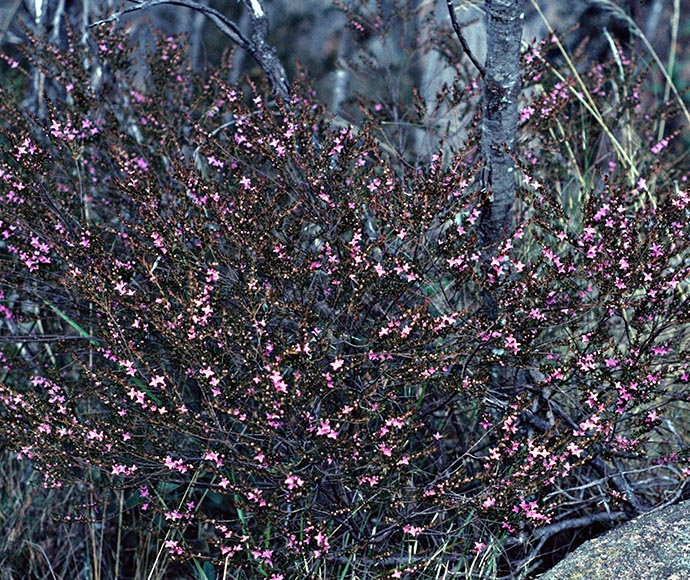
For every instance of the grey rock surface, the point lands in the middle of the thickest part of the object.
(654, 546)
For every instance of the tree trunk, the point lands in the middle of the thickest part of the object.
(505, 20)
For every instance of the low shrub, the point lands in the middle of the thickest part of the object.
(266, 331)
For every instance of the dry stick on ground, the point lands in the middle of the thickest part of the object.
(258, 46)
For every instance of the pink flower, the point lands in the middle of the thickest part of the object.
(322, 541)
(278, 383)
(129, 367)
(173, 547)
(293, 482)
(157, 381)
(264, 555)
(652, 416)
(574, 449)
(215, 457)
(479, 547)
(413, 531)
(325, 429)
(512, 344)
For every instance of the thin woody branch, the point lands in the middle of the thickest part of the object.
(263, 52)
(226, 26)
(458, 32)
(257, 46)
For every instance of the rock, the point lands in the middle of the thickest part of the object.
(654, 546)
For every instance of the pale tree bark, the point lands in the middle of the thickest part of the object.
(501, 90)
(341, 76)
(504, 24)
(505, 21)
(263, 52)
(432, 72)
(38, 13)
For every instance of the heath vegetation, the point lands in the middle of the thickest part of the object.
(243, 335)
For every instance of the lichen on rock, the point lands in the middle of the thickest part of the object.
(654, 546)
